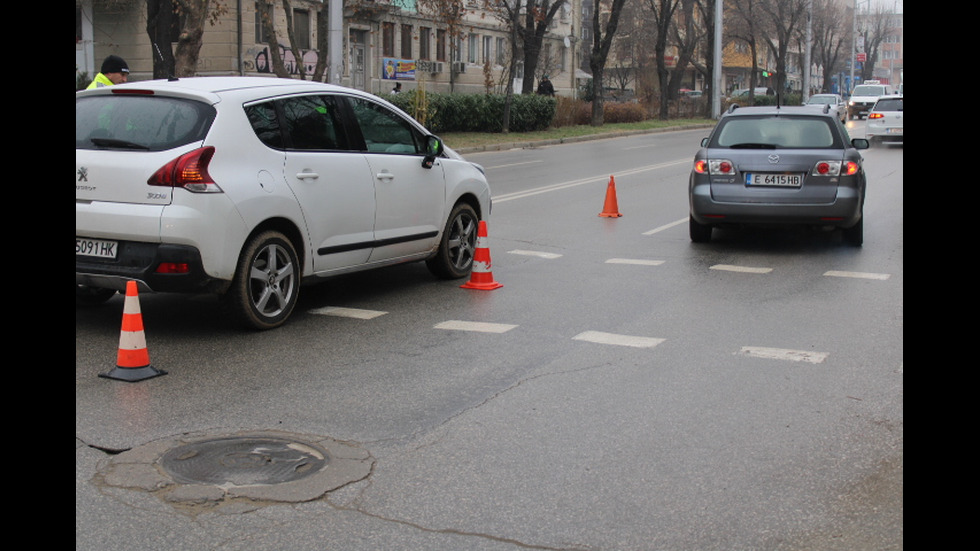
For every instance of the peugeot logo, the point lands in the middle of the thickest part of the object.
(773, 159)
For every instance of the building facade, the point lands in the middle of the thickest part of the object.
(384, 41)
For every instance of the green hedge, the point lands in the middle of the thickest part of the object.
(476, 112)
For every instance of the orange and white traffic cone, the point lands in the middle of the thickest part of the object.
(133, 360)
(481, 278)
(611, 207)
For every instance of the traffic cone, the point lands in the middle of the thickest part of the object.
(481, 277)
(611, 208)
(133, 360)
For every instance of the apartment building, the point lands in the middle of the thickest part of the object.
(384, 41)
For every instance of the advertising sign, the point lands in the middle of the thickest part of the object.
(397, 69)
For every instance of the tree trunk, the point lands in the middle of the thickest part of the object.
(159, 19)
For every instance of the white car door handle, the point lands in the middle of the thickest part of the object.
(385, 175)
(307, 175)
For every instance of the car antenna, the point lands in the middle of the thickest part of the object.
(171, 78)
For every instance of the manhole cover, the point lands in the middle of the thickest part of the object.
(243, 461)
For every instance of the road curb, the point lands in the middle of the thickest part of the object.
(573, 139)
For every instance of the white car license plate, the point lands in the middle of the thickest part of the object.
(768, 179)
(894, 130)
(95, 247)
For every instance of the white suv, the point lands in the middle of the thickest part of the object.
(248, 187)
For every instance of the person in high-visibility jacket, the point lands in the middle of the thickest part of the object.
(114, 71)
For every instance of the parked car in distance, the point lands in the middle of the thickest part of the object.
(863, 98)
(778, 166)
(886, 121)
(743, 93)
(249, 187)
(835, 101)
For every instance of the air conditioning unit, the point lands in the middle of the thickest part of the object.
(459, 67)
(426, 66)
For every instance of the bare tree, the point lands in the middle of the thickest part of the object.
(783, 19)
(831, 39)
(601, 43)
(663, 14)
(874, 29)
(193, 15)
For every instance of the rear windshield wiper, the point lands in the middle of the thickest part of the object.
(750, 145)
(121, 144)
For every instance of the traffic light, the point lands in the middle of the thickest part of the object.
(766, 74)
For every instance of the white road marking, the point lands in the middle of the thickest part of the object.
(743, 269)
(665, 227)
(859, 275)
(513, 164)
(535, 253)
(784, 354)
(480, 327)
(347, 312)
(573, 183)
(636, 261)
(620, 340)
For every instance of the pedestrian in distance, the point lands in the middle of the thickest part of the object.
(545, 88)
(114, 71)
(397, 89)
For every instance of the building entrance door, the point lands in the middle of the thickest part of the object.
(357, 58)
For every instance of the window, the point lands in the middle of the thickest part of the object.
(135, 122)
(301, 28)
(260, 36)
(308, 123)
(383, 130)
(425, 35)
(487, 49)
(501, 51)
(776, 132)
(473, 46)
(406, 42)
(440, 45)
(388, 39)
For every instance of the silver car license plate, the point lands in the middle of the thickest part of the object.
(769, 179)
(95, 247)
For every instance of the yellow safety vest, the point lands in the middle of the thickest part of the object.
(100, 81)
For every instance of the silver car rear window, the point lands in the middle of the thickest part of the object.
(139, 123)
(779, 132)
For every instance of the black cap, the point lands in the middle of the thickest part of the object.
(114, 64)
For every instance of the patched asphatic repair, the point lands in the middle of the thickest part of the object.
(261, 466)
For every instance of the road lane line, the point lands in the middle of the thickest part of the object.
(784, 354)
(573, 183)
(480, 327)
(636, 261)
(620, 340)
(510, 165)
(535, 253)
(859, 275)
(347, 312)
(743, 269)
(665, 227)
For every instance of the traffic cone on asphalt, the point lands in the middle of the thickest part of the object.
(133, 360)
(481, 278)
(611, 208)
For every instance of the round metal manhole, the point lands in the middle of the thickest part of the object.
(243, 461)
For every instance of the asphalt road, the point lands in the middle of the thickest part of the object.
(624, 389)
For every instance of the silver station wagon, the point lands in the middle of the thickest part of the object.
(778, 166)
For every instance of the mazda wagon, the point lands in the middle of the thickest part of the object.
(778, 166)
